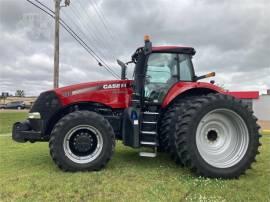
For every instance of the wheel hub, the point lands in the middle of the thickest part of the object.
(212, 135)
(83, 142)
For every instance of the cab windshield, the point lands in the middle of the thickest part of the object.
(164, 70)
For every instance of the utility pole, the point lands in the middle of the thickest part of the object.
(56, 41)
(56, 44)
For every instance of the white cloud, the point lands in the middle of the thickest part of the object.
(231, 38)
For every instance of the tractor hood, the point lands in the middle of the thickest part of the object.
(113, 93)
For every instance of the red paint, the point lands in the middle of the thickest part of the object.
(120, 97)
(182, 87)
(114, 97)
(244, 94)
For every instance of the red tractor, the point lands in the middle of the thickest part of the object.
(163, 109)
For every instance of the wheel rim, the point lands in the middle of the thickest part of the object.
(83, 144)
(222, 138)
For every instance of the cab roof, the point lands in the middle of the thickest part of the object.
(166, 49)
(174, 49)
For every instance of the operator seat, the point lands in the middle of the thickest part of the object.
(172, 80)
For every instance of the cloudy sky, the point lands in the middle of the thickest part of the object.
(231, 37)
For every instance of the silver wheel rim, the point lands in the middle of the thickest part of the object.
(222, 138)
(87, 158)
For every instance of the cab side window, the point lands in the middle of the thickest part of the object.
(185, 65)
(185, 68)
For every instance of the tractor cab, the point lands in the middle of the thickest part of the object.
(162, 68)
(157, 69)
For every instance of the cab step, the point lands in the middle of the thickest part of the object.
(151, 113)
(149, 122)
(148, 143)
(148, 154)
(149, 132)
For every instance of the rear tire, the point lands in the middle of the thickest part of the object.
(82, 141)
(168, 126)
(217, 136)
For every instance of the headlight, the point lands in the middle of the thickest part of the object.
(34, 115)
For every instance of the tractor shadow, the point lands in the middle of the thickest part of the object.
(127, 157)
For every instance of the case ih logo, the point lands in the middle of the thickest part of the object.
(115, 85)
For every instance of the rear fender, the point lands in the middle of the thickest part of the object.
(189, 88)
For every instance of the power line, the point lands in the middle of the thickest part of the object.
(102, 19)
(95, 38)
(86, 36)
(77, 38)
(80, 41)
(90, 39)
(104, 64)
(101, 34)
(61, 19)
(100, 39)
(41, 8)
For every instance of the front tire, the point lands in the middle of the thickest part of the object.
(82, 141)
(217, 136)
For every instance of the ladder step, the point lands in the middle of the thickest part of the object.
(150, 122)
(149, 143)
(152, 103)
(149, 132)
(136, 94)
(147, 154)
(151, 113)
